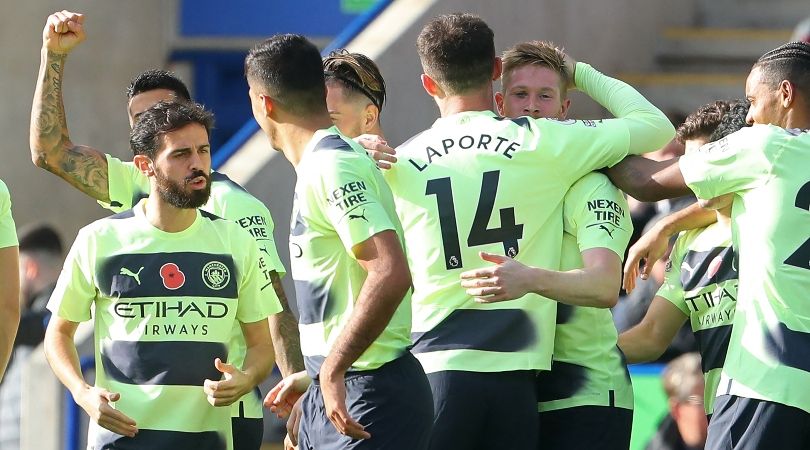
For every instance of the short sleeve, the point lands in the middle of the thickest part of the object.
(257, 298)
(251, 214)
(8, 231)
(672, 289)
(735, 163)
(597, 213)
(126, 185)
(349, 197)
(75, 290)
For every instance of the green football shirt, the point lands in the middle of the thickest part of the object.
(587, 368)
(228, 200)
(8, 231)
(165, 307)
(701, 281)
(341, 200)
(767, 167)
(478, 182)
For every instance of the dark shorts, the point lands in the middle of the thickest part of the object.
(746, 424)
(247, 433)
(477, 410)
(393, 403)
(585, 428)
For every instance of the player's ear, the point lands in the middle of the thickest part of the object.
(497, 68)
(499, 103)
(370, 117)
(267, 104)
(431, 87)
(566, 103)
(144, 164)
(787, 93)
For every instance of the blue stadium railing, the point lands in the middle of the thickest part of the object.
(73, 428)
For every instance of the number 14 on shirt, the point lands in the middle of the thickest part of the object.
(508, 233)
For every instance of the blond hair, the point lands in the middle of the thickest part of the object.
(535, 53)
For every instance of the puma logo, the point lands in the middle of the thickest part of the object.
(685, 266)
(603, 226)
(129, 273)
(359, 216)
(264, 249)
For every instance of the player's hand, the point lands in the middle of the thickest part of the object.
(227, 391)
(288, 444)
(506, 280)
(333, 387)
(378, 149)
(286, 393)
(63, 31)
(95, 402)
(294, 422)
(643, 255)
(570, 65)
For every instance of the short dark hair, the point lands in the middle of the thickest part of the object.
(702, 123)
(39, 237)
(732, 121)
(358, 73)
(158, 79)
(458, 51)
(162, 118)
(289, 67)
(790, 62)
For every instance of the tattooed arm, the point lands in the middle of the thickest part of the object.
(284, 329)
(83, 167)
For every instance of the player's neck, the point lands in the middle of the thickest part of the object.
(478, 100)
(797, 118)
(292, 137)
(166, 217)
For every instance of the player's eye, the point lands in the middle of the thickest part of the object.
(519, 94)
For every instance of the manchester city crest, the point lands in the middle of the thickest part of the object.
(216, 275)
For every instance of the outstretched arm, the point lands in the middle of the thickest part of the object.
(647, 180)
(649, 339)
(596, 284)
(83, 167)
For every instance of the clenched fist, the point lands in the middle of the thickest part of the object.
(63, 31)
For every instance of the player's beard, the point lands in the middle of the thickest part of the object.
(178, 195)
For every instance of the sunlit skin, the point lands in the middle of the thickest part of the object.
(352, 112)
(532, 90)
(185, 151)
(765, 101)
(145, 100)
(184, 159)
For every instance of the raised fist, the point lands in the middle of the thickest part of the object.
(63, 31)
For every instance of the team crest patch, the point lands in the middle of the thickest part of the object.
(216, 275)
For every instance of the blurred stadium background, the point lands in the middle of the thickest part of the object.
(680, 54)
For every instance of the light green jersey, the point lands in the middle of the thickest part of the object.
(230, 201)
(165, 307)
(587, 367)
(701, 281)
(767, 167)
(8, 232)
(341, 200)
(477, 182)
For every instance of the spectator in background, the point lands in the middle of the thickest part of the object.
(685, 427)
(40, 263)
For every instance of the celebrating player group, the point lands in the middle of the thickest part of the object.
(453, 292)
